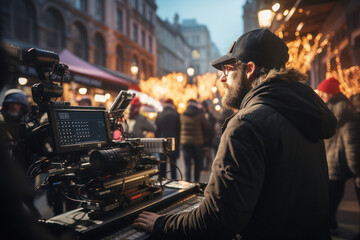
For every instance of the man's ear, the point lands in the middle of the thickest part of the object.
(250, 69)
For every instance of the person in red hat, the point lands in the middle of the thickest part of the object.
(343, 149)
(137, 122)
(328, 88)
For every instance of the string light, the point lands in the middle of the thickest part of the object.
(303, 50)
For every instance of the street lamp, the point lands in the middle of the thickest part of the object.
(134, 69)
(22, 80)
(190, 72)
(265, 18)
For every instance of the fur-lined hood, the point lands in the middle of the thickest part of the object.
(285, 91)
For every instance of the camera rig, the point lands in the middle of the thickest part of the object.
(78, 152)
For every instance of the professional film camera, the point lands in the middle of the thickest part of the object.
(77, 149)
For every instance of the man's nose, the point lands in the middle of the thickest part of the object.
(223, 78)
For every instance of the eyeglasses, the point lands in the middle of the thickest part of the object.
(229, 67)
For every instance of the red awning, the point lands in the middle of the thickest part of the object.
(80, 66)
(135, 87)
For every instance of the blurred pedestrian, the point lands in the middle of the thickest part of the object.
(208, 137)
(193, 125)
(85, 101)
(137, 122)
(355, 101)
(269, 177)
(343, 149)
(13, 118)
(168, 126)
(13, 115)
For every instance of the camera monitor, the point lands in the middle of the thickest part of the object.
(78, 129)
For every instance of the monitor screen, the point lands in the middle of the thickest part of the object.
(79, 129)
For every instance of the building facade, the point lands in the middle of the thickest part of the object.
(173, 51)
(250, 18)
(198, 36)
(112, 34)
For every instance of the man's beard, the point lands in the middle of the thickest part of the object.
(236, 91)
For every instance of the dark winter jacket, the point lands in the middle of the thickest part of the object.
(168, 125)
(139, 124)
(269, 178)
(343, 149)
(193, 124)
(210, 134)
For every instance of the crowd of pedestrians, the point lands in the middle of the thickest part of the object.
(277, 151)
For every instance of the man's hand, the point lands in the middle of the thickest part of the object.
(145, 221)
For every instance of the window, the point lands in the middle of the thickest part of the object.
(80, 4)
(80, 41)
(151, 16)
(143, 70)
(24, 21)
(134, 4)
(150, 44)
(143, 40)
(143, 9)
(100, 50)
(119, 20)
(195, 39)
(150, 71)
(135, 33)
(119, 59)
(99, 10)
(5, 19)
(55, 36)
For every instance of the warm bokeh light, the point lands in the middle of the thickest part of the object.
(275, 7)
(180, 78)
(99, 98)
(134, 69)
(299, 27)
(108, 96)
(82, 91)
(180, 92)
(303, 50)
(22, 80)
(265, 18)
(190, 71)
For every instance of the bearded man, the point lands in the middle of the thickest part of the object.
(269, 177)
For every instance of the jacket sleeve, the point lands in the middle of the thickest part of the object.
(148, 126)
(351, 139)
(349, 127)
(231, 194)
(157, 124)
(204, 123)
